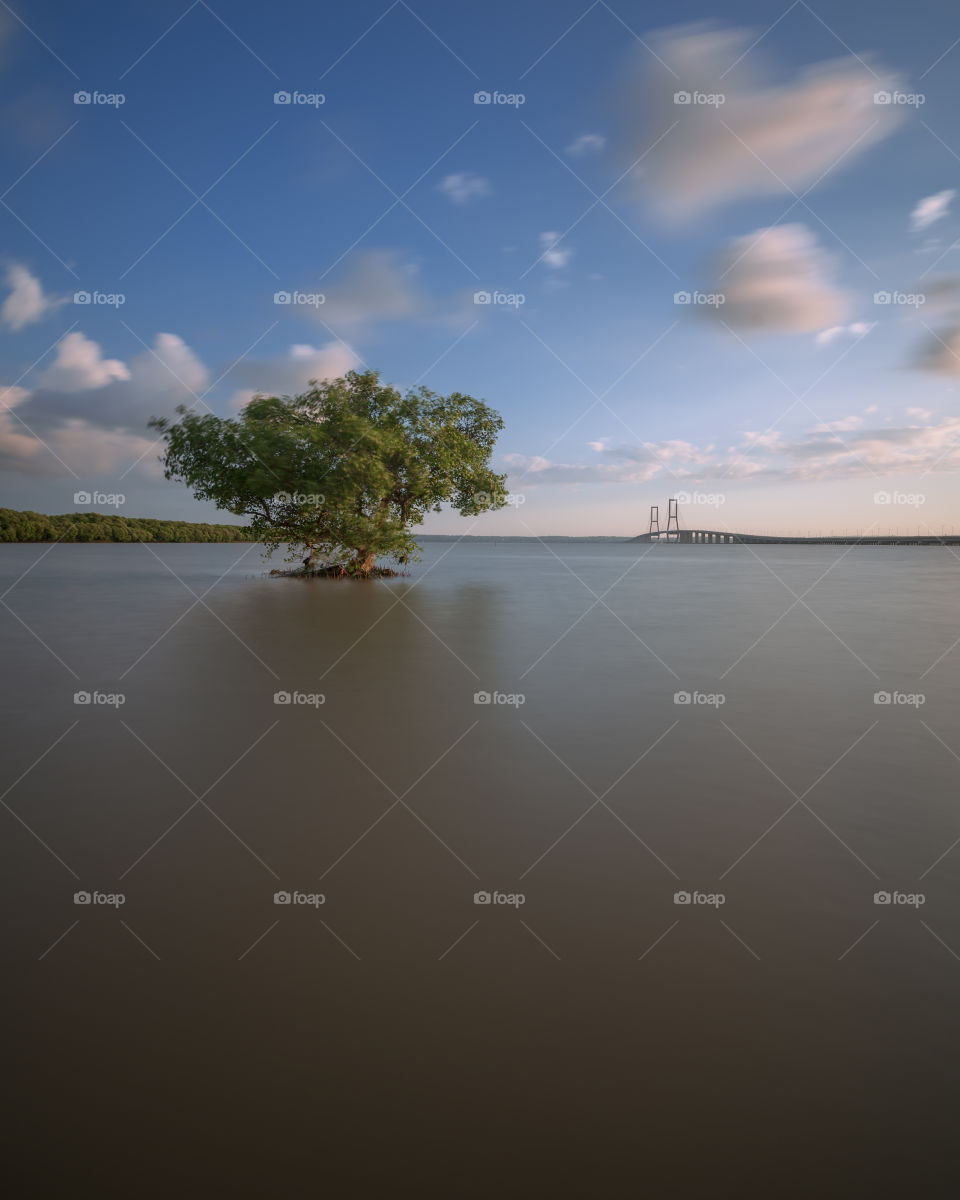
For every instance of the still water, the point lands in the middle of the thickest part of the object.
(698, 774)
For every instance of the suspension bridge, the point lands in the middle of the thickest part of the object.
(713, 537)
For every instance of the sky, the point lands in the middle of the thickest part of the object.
(685, 250)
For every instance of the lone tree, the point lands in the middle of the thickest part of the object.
(343, 471)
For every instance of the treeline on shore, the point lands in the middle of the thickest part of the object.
(103, 527)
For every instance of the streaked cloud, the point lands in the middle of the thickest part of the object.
(772, 132)
(27, 302)
(587, 143)
(465, 186)
(930, 209)
(778, 280)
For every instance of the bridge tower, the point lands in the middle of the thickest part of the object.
(673, 522)
(654, 520)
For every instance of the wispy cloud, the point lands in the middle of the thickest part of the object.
(587, 143)
(464, 186)
(759, 132)
(27, 301)
(930, 209)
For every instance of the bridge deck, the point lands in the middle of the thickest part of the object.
(725, 537)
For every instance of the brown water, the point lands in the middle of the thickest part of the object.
(599, 1039)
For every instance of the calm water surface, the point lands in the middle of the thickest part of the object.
(781, 1034)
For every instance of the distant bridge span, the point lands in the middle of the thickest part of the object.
(703, 537)
(725, 537)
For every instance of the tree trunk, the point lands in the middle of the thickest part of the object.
(310, 562)
(363, 562)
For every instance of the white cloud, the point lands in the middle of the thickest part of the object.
(587, 143)
(465, 186)
(930, 209)
(772, 133)
(80, 367)
(170, 366)
(777, 279)
(843, 425)
(854, 329)
(27, 302)
(291, 375)
(838, 450)
(89, 414)
(551, 253)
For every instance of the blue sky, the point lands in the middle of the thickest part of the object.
(782, 198)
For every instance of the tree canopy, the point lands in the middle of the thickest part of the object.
(345, 470)
(16, 526)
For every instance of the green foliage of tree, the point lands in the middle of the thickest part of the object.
(345, 470)
(103, 527)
